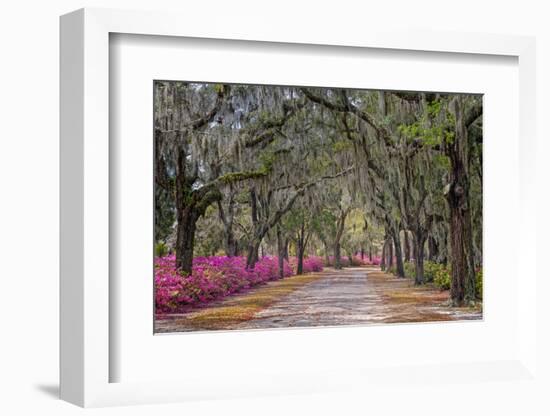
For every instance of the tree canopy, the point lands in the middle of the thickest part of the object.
(257, 170)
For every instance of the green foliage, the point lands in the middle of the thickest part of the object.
(442, 161)
(430, 136)
(479, 284)
(410, 269)
(440, 275)
(209, 234)
(387, 120)
(428, 128)
(434, 108)
(449, 136)
(161, 249)
(219, 88)
(410, 131)
(164, 213)
(442, 278)
(341, 146)
(265, 117)
(431, 269)
(267, 159)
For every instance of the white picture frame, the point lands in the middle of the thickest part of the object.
(86, 356)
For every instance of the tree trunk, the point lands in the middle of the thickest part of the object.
(230, 245)
(252, 256)
(419, 240)
(280, 252)
(185, 239)
(190, 205)
(300, 247)
(300, 258)
(462, 268)
(286, 249)
(390, 253)
(254, 244)
(407, 246)
(186, 216)
(433, 249)
(398, 255)
(383, 257)
(327, 254)
(370, 254)
(281, 262)
(226, 217)
(229, 242)
(462, 260)
(350, 258)
(339, 231)
(337, 259)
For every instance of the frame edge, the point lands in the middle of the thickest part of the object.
(71, 201)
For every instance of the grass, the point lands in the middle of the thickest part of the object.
(415, 296)
(242, 308)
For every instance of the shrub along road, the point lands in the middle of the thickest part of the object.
(352, 296)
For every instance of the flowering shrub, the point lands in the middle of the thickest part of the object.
(355, 261)
(213, 278)
(344, 261)
(310, 264)
(367, 262)
(313, 264)
(375, 261)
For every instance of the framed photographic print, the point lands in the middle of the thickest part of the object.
(283, 206)
(340, 199)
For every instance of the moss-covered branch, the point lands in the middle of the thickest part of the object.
(234, 177)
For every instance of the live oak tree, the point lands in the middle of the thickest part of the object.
(464, 112)
(433, 125)
(199, 137)
(446, 127)
(181, 114)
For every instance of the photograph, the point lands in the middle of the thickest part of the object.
(286, 206)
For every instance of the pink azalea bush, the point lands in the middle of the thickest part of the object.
(344, 261)
(310, 264)
(355, 261)
(213, 278)
(366, 261)
(313, 264)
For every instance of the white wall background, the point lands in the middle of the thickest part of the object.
(29, 191)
